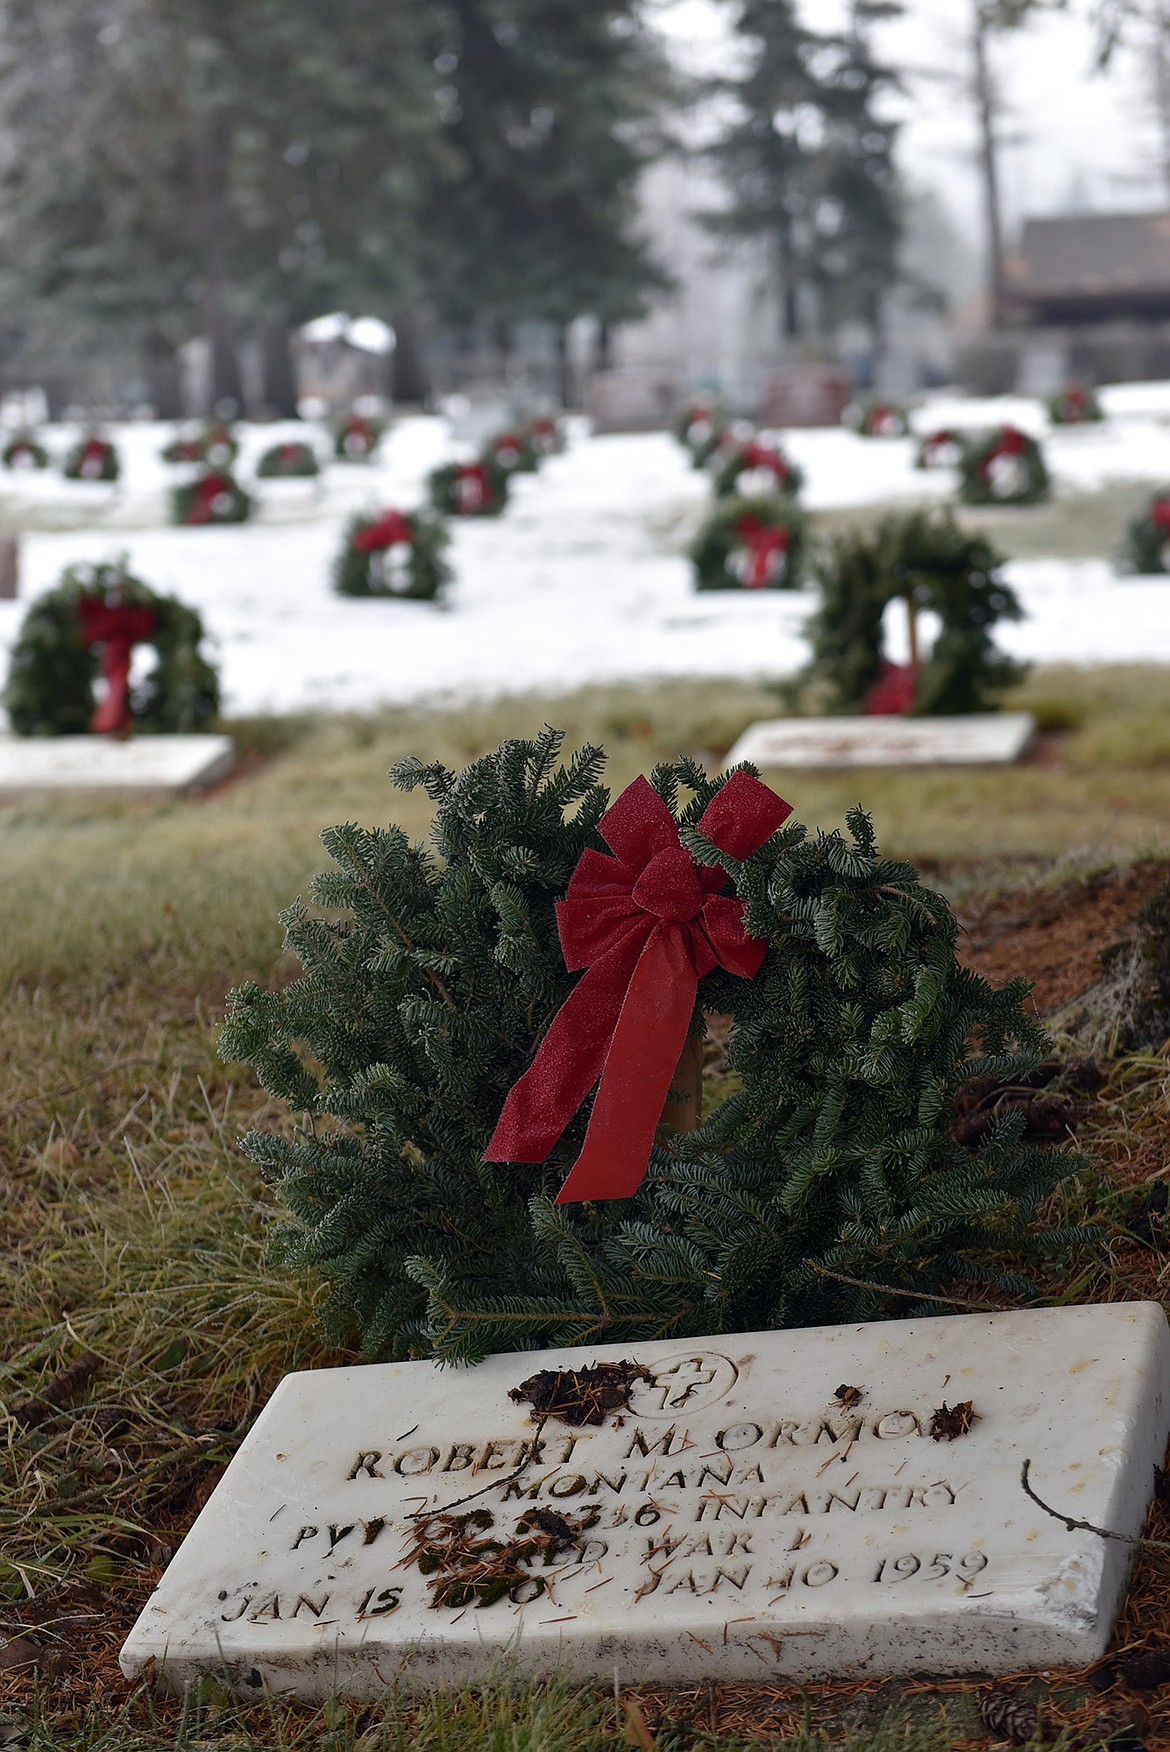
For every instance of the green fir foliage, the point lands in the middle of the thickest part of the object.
(50, 688)
(1006, 468)
(478, 489)
(215, 497)
(429, 976)
(722, 551)
(292, 460)
(1147, 539)
(418, 576)
(92, 459)
(923, 556)
(24, 451)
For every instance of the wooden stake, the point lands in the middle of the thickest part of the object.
(683, 1111)
(912, 629)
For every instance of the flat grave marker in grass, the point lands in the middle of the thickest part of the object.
(139, 766)
(970, 739)
(831, 1501)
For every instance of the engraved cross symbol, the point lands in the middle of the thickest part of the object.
(679, 1383)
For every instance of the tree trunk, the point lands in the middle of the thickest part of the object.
(411, 378)
(279, 371)
(987, 117)
(163, 376)
(218, 317)
(566, 389)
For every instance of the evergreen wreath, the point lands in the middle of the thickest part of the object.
(292, 460)
(23, 451)
(940, 449)
(469, 489)
(826, 1178)
(397, 554)
(548, 434)
(879, 419)
(92, 459)
(698, 427)
(514, 452)
(358, 437)
(216, 497)
(756, 471)
(1075, 406)
(50, 687)
(927, 559)
(750, 544)
(1006, 467)
(1147, 539)
(216, 445)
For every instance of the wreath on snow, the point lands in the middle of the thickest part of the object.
(698, 427)
(469, 489)
(216, 446)
(925, 559)
(215, 497)
(358, 437)
(757, 471)
(1147, 540)
(396, 554)
(92, 459)
(1075, 406)
(427, 1184)
(292, 460)
(1006, 467)
(514, 452)
(66, 642)
(23, 451)
(750, 544)
(879, 419)
(940, 449)
(547, 434)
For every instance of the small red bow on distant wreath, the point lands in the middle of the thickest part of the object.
(1160, 513)
(759, 456)
(391, 528)
(646, 924)
(1010, 442)
(764, 543)
(208, 489)
(117, 627)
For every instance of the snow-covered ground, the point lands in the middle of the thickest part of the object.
(583, 579)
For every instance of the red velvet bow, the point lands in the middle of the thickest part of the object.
(1160, 513)
(1012, 442)
(893, 693)
(472, 487)
(763, 542)
(117, 627)
(646, 924)
(391, 527)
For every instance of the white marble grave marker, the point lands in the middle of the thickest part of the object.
(141, 765)
(974, 739)
(740, 1520)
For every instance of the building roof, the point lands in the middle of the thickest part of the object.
(1092, 256)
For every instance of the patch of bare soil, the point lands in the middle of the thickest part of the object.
(1056, 937)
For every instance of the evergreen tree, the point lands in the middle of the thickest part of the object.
(184, 166)
(547, 120)
(807, 162)
(825, 1183)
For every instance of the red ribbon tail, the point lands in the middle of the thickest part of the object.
(639, 1066)
(112, 714)
(569, 1062)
